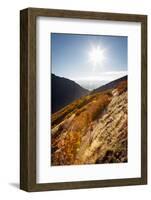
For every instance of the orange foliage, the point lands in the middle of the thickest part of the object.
(68, 145)
(67, 149)
(69, 109)
(122, 87)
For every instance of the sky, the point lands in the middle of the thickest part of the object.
(89, 58)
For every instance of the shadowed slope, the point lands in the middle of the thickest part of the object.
(64, 91)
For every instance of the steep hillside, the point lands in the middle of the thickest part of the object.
(64, 91)
(111, 85)
(92, 130)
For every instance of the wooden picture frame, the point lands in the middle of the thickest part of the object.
(28, 99)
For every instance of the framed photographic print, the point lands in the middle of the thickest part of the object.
(83, 99)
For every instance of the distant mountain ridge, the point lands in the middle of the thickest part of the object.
(110, 85)
(64, 91)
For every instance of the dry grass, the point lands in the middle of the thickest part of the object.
(75, 126)
(67, 111)
(86, 110)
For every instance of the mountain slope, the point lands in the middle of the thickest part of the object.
(92, 130)
(64, 91)
(111, 85)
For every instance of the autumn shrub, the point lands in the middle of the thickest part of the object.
(59, 116)
(79, 111)
(68, 146)
(122, 87)
(90, 112)
(69, 109)
(99, 106)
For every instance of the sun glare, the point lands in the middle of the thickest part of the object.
(96, 55)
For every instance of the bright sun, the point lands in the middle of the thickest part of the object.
(96, 55)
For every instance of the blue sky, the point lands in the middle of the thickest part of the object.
(88, 57)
